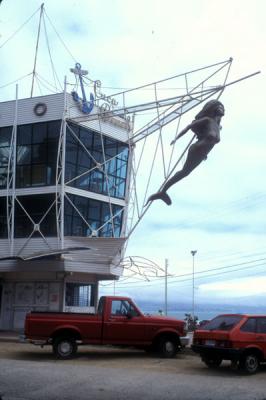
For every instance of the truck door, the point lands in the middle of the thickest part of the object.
(125, 325)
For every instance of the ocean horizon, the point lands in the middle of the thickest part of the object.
(203, 312)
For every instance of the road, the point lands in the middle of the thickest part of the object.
(30, 373)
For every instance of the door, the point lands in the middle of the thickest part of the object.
(24, 301)
(7, 309)
(253, 333)
(125, 324)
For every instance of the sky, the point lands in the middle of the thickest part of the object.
(220, 209)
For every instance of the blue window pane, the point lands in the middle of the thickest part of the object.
(123, 152)
(3, 218)
(110, 148)
(84, 181)
(96, 182)
(86, 137)
(23, 176)
(114, 151)
(5, 136)
(23, 155)
(3, 177)
(107, 230)
(110, 166)
(72, 131)
(81, 204)
(54, 128)
(110, 186)
(4, 155)
(97, 142)
(121, 168)
(24, 134)
(94, 210)
(96, 213)
(39, 133)
(71, 152)
(120, 187)
(39, 153)
(84, 159)
(68, 225)
(39, 175)
(70, 173)
(97, 156)
(36, 152)
(95, 225)
(105, 212)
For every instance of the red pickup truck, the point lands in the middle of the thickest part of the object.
(236, 337)
(118, 321)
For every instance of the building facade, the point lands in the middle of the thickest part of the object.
(63, 205)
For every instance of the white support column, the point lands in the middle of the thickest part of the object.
(60, 175)
(63, 144)
(11, 180)
(129, 177)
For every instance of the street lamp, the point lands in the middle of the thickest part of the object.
(193, 252)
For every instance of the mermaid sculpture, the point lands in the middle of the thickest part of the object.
(206, 127)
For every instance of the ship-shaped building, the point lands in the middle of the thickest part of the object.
(63, 203)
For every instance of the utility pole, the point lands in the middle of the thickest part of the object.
(193, 252)
(165, 288)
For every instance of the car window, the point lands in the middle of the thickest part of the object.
(123, 307)
(249, 325)
(133, 311)
(261, 325)
(118, 307)
(222, 323)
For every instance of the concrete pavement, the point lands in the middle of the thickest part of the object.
(28, 372)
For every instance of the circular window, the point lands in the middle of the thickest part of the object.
(40, 109)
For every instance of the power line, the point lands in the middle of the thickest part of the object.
(188, 275)
(19, 29)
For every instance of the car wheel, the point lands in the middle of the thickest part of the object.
(64, 348)
(167, 347)
(212, 362)
(250, 363)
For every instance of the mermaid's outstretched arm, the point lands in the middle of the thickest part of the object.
(194, 124)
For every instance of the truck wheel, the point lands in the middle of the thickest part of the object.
(64, 347)
(214, 362)
(250, 363)
(167, 347)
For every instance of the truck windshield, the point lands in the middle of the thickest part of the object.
(222, 323)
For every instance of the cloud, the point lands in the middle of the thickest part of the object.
(235, 288)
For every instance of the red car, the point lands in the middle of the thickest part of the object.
(236, 337)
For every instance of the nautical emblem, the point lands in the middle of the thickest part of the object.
(85, 106)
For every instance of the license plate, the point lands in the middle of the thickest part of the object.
(209, 342)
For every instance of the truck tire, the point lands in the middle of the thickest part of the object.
(64, 347)
(167, 347)
(250, 363)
